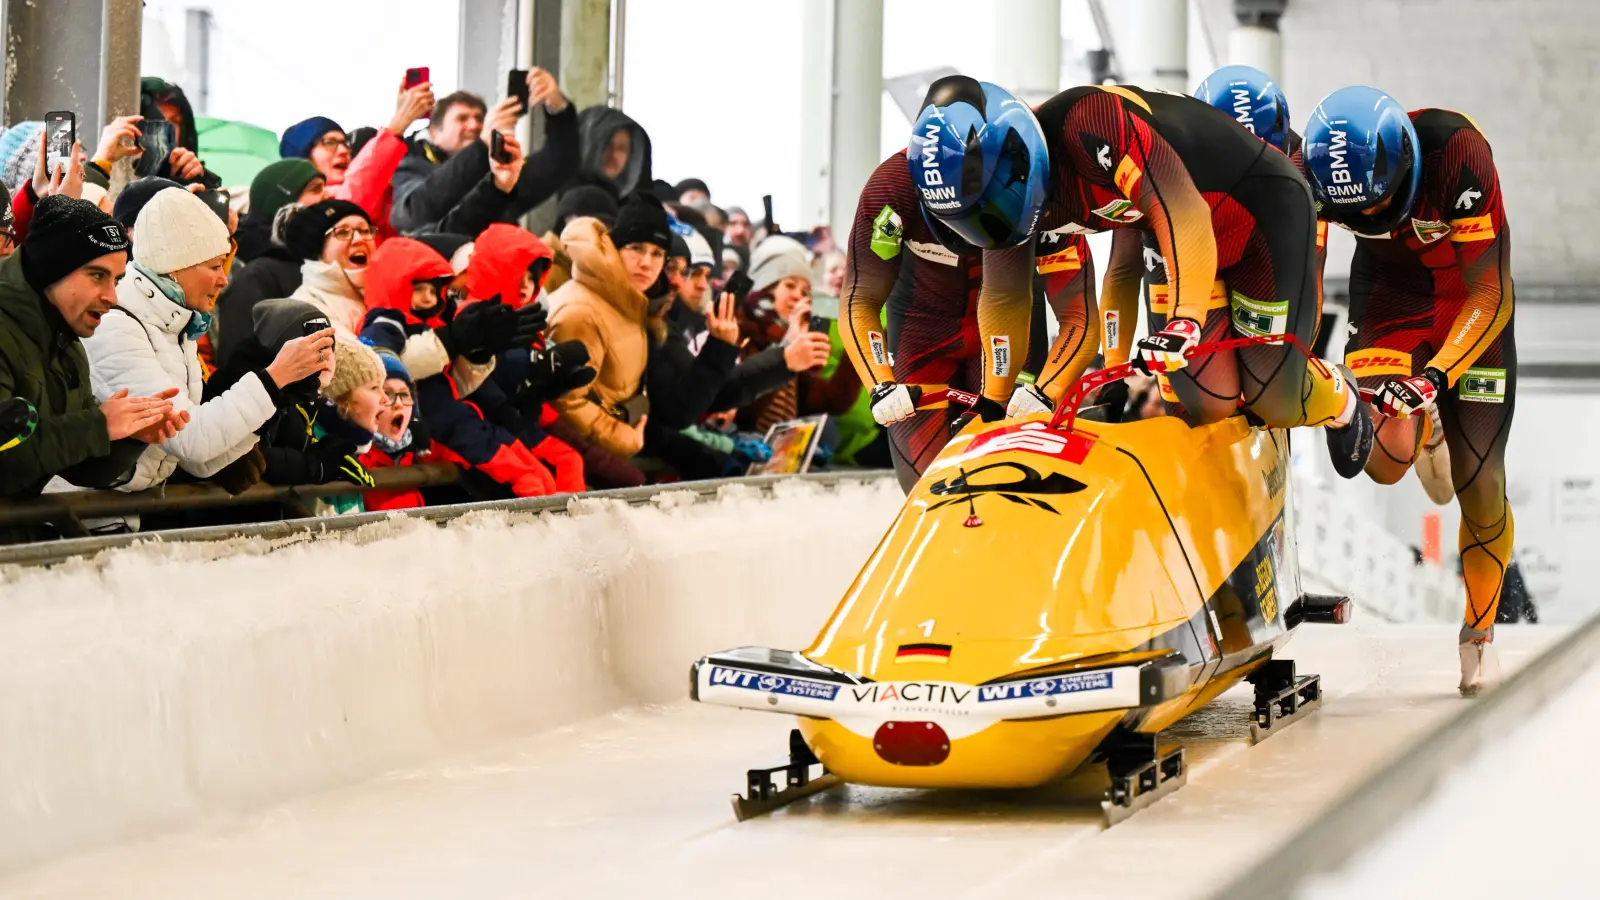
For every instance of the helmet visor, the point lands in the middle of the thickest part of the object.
(1005, 214)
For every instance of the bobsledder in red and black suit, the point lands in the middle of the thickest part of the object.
(1234, 221)
(930, 284)
(1431, 315)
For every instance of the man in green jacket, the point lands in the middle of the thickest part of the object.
(53, 292)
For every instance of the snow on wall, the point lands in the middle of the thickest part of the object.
(157, 685)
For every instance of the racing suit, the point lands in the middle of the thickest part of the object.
(1234, 231)
(1437, 294)
(933, 320)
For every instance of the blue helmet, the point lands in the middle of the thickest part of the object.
(978, 158)
(1253, 99)
(1361, 153)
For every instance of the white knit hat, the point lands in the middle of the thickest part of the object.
(176, 230)
(774, 259)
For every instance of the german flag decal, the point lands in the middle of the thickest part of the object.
(926, 653)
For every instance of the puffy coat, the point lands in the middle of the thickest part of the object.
(399, 262)
(328, 288)
(600, 308)
(141, 346)
(500, 255)
(367, 182)
(42, 362)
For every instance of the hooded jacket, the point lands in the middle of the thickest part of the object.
(141, 346)
(500, 256)
(369, 180)
(397, 263)
(600, 308)
(596, 125)
(44, 363)
(152, 91)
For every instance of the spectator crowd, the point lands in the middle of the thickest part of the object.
(374, 300)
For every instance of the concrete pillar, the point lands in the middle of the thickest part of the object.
(78, 55)
(842, 91)
(1027, 55)
(585, 50)
(1154, 44)
(486, 48)
(1255, 41)
(857, 119)
(816, 109)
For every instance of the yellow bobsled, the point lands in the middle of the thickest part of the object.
(1052, 593)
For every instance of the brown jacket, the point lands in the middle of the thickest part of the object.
(600, 308)
(560, 266)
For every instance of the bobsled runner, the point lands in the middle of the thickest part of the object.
(1055, 592)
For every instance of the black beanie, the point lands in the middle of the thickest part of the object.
(133, 198)
(65, 235)
(277, 322)
(690, 184)
(307, 229)
(642, 221)
(586, 200)
(444, 243)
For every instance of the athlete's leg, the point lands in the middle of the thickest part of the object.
(929, 350)
(1272, 290)
(1477, 416)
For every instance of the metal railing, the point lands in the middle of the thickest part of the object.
(53, 552)
(67, 510)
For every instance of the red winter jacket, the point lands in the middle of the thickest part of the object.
(499, 257)
(367, 182)
(399, 498)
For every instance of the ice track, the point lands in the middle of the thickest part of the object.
(634, 802)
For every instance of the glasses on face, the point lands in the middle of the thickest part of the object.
(398, 398)
(333, 142)
(352, 232)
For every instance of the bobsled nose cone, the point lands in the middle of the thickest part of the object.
(911, 743)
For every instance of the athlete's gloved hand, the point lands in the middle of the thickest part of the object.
(986, 409)
(1027, 400)
(1401, 398)
(892, 403)
(1164, 351)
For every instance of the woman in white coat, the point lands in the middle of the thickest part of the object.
(146, 344)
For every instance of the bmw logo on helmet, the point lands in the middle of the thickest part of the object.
(978, 159)
(1253, 99)
(1361, 156)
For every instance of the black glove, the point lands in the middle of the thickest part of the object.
(489, 327)
(339, 462)
(242, 474)
(560, 369)
(988, 409)
(1114, 397)
(472, 332)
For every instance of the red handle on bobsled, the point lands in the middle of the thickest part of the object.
(929, 396)
(1067, 410)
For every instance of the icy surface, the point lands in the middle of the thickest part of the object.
(635, 803)
(1516, 820)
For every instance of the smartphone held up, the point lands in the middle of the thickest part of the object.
(60, 133)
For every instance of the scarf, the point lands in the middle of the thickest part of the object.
(199, 322)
